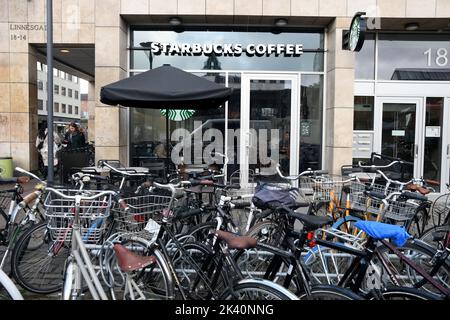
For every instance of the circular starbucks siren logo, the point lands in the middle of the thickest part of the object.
(178, 115)
(357, 32)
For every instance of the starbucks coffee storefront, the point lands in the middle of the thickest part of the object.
(299, 95)
(276, 109)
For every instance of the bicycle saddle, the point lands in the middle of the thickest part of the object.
(311, 222)
(129, 261)
(236, 242)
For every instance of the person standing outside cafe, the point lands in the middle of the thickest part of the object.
(74, 138)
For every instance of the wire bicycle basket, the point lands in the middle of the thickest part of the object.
(141, 210)
(399, 210)
(322, 188)
(60, 214)
(361, 201)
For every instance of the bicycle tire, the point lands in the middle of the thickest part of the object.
(251, 289)
(402, 293)
(69, 279)
(8, 290)
(330, 292)
(35, 270)
(201, 232)
(427, 236)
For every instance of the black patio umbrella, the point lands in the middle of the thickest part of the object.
(165, 87)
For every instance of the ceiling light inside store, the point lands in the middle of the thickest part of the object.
(281, 22)
(175, 21)
(64, 50)
(412, 26)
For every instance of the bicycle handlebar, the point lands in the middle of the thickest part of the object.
(96, 196)
(29, 174)
(81, 175)
(304, 173)
(122, 172)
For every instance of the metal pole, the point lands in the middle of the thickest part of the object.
(167, 136)
(50, 89)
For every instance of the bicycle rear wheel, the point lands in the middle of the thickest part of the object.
(36, 264)
(326, 292)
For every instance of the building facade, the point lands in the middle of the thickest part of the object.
(66, 98)
(284, 59)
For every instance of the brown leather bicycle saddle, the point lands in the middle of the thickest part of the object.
(129, 261)
(236, 242)
(421, 190)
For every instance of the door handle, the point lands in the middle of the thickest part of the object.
(416, 150)
(448, 150)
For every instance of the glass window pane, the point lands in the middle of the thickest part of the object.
(363, 113)
(311, 111)
(149, 136)
(270, 121)
(365, 59)
(413, 57)
(398, 136)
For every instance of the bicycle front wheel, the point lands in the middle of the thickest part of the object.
(37, 262)
(401, 293)
(8, 290)
(258, 290)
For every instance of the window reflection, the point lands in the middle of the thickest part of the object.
(365, 59)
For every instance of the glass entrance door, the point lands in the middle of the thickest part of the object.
(414, 130)
(399, 134)
(268, 135)
(433, 160)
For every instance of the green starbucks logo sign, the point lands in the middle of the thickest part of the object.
(357, 31)
(178, 115)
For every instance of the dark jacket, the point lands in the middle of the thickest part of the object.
(75, 141)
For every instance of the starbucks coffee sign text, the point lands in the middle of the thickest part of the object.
(183, 49)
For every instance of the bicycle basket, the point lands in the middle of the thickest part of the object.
(141, 209)
(321, 188)
(360, 201)
(60, 214)
(400, 210)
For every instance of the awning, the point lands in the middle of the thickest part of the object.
(165, 87)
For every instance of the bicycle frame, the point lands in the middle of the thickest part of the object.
(83, 265)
